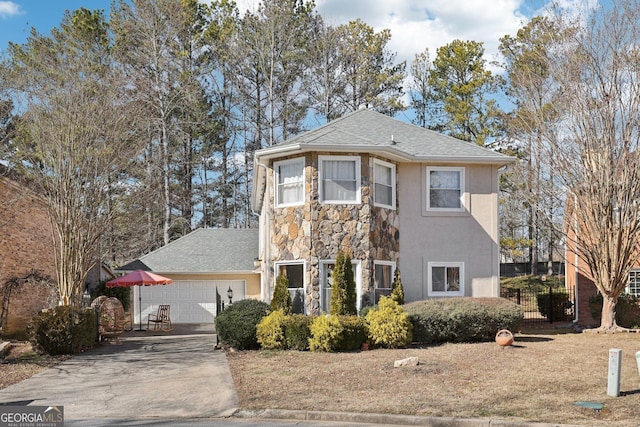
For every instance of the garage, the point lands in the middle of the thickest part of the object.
(191, 301)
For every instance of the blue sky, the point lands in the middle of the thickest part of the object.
(18, 16)
(414, 24)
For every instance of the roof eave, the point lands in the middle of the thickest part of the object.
(391, 151)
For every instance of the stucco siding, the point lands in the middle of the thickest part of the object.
(468, 237)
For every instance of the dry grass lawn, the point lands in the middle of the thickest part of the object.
(538, 379)
(21, 362)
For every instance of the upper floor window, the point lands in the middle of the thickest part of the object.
(384, 181)
(289, 182)
(445, 189)
(339, 179)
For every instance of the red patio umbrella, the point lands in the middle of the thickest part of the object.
(139, 278)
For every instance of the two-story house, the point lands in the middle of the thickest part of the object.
(392, 195)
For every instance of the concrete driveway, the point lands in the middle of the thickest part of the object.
(174, 374)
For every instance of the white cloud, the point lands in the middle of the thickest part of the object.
(419, 24)
(8, 8)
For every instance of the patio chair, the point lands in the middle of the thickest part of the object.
(162, 319)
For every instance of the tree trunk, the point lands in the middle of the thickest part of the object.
(608, 319)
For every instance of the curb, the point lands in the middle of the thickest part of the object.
(385, 419)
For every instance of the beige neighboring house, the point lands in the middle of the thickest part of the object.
(201, 263)
(392, 194)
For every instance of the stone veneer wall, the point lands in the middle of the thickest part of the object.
(314, 231)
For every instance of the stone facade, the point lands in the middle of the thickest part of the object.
(25, 247)
(315, 231)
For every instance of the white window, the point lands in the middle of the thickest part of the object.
(339, 179)
(445, 189)
(633, 285)
(294, 272)
(326, 279)
(446, 279)
(383, 278)
(289, 182)
(384, 184)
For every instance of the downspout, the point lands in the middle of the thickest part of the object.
(576, 259)
(265, 288)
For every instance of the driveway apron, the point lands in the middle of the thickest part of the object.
(169, 375)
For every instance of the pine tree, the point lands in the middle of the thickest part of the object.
(397, 292)
(343, 288)
(281, 296)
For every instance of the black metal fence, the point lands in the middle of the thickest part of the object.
(545, 305)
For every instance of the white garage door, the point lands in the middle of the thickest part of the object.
(191, 301)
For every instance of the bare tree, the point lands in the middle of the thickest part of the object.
(595, 65)
(74, 133)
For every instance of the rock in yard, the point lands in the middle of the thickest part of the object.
(409, 361)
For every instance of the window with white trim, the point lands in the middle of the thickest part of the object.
(383, 278)
(445, 189)
(326, 280)
(339, 179)
(446, 278)
(289, 182)
(294, 272)
(633, 284)
(384, 184)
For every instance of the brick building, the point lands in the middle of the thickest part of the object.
(26, 248)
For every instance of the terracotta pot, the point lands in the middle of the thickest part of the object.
(365, 346)
(504, 338)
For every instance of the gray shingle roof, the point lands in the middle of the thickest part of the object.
(205, 250)
(368, 131)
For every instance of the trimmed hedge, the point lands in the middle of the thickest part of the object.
(627, 310)
(553, 304)
(61, 331)
(236, 325)
(270, 331)
(389, 324)
(337, 333)
(297, 331)
(463, 319)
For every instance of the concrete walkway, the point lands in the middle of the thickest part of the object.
(150, 375)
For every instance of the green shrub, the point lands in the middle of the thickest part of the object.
(61, 331)
(281, 297)
(389, 325)
(365, 310)
(122, 293)
(270, 331)
(343, 287)
(297, 331)
(462, 319)
(553, 304)
(236, 325)
(627, 310)
(354, 333)
(397, 291)
(326, 333)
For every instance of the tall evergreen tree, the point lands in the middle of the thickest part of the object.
(462, 83)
